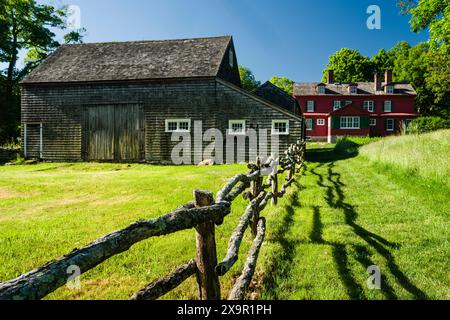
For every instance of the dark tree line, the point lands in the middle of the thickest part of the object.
(26, 27)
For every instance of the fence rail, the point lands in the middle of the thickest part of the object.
(203, 214)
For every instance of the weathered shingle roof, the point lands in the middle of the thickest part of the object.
(272, 93)
(138, 60)
(309, 89)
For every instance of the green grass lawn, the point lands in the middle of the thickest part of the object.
(47, 210)
(346, 213)
(350, 213)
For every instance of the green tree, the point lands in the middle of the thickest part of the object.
(26, 26)
(383, 60)
(433, 15)
(349, 66)
(248, 80)
(285, 84)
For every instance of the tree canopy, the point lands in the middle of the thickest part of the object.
(26, 26)
(285, 84)
(248, 80)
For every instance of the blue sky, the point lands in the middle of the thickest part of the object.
(284, 38)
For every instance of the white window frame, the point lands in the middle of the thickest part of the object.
(387, 102)
(390, 89)
(372, 122)
(322, 89)
(178, 121)
(310, 128)
(277, 133)
(369, 105)
(392, 121)
(237, 133)
(321, 122)
(350, 123)
(335, 105)
(310, 105)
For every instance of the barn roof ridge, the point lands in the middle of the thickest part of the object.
(133, 60)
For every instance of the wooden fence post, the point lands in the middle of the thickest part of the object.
(275, 188)
(206, 260)
(255, 189)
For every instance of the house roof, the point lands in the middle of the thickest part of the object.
(136, 60)
(367, 88)
(272, 93)
(253, 96)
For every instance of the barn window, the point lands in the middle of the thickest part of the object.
(236, 127)
(309, 124)
(178, 125)
(320, 122)
(353, 89)
(373, 122)
(280, 127)
(231, 58)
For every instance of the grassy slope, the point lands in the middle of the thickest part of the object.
(424, 155)
(349, 215)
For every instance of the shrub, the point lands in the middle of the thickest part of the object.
(426, 124)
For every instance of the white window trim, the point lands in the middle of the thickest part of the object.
(321, 122)
(353, 127)
(372, 122)
(393, 125)
(275, 133)
(230, 127)
(312, 104)
(390, 89)
(311, 127)
(178, 125)
(322, 89)
(370, 104)
(335, 107)
(390, 106)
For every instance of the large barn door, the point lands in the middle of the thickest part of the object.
(115, 133)
(129, 133)
(100, 133)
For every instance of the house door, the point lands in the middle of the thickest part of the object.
(115, 133)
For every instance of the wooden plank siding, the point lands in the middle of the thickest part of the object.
(62, 109)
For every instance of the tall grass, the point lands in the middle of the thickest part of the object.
(426, 155)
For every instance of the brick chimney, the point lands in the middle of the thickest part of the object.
(377, 80)
(330, 76)
(388, 77)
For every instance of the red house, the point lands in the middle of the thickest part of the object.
(333, 110)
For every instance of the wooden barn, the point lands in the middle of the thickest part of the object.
(122, 101)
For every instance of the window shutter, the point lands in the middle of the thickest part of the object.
(335, 122)
(313, 122)
(365, 122)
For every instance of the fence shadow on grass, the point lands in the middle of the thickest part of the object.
(282, 262)
(335, 198)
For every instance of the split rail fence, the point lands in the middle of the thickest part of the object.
(203, 214)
